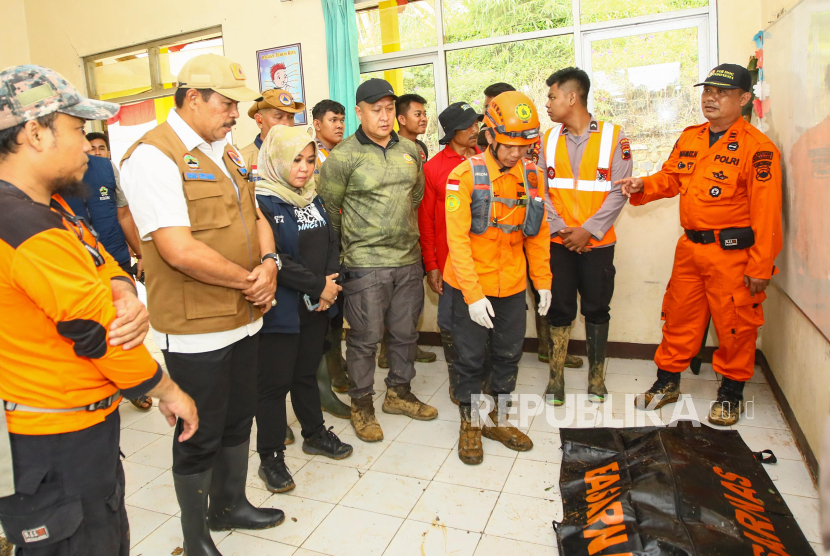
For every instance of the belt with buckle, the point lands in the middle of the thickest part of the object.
(701, 236)
(102, 404)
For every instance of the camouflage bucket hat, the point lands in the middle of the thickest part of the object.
(29, 92)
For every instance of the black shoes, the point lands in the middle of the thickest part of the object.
(326, 443)
(275, 473)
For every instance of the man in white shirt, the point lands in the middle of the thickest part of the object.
(211, 274)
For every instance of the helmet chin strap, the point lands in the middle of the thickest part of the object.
(494, 148)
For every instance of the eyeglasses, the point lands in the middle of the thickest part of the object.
(77, 224)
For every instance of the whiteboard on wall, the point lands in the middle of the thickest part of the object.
(797, 69)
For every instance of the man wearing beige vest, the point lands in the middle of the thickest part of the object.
(211, 274)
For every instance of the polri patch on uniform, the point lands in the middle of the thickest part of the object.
(191, 161)
(236, 159)
(34, 535)
(602, 174)
(625, 146)
(680, 165)
(732, 146)
(593, 126)
(551, 172)
(719, 175)
(199, 176)
(452, 203)
(715, 191)
(408, 158)
(763, 170)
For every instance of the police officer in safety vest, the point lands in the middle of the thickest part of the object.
(728, 177)
(495, 215)
(581, 158)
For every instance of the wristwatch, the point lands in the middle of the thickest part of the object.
(272, 256)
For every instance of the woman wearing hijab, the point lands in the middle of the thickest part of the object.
(291, 342)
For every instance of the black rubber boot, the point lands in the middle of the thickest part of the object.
(229, 506)
(326, 443)
(192, 494)
(446, 343)
(329, 401)
(596, 336)
(697, 360)
(275, 473)
(336, 363)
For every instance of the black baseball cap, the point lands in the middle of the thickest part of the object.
(372, 90)
(458, 115)
(729, 76)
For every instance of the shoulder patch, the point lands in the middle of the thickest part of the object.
(22, 217)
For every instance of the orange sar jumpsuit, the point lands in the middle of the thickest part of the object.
(734, 184)
(492, 264)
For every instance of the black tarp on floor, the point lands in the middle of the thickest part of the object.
(670, 491)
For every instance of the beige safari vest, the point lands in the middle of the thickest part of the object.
(179, 304)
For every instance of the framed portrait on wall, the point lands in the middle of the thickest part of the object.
(282, 68)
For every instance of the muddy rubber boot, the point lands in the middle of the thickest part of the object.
(470, 450)
(289, 436)
(329, 401)
(400, 400)
(446, 343)
(543, 336)
(573, 362)
(423, 356)
(192, 494)
(596, 336)
(667, 385)
(229, 506)
(363, 419)
(335, 363)
(502, 431)
(727, 409)
(559, 336)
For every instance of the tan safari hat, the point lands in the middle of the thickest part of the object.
(210, 71)
(276, 98)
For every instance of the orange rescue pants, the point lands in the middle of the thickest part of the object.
(706, 280)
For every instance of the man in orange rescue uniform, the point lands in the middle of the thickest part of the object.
(495, 214)
(728, 176)
(70, 337)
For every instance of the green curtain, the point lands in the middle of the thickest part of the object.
(341, 52)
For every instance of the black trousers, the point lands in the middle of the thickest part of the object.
(288, 362)
(591, 274)
(69, 494)
(470, 345)
(223, 383)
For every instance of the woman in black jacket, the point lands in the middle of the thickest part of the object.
(292, 337)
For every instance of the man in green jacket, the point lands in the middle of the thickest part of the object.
(372, 184)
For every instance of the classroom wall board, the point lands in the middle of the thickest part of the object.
(796, 71)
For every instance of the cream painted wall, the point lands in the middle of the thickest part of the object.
(58, 38)
(14, 42)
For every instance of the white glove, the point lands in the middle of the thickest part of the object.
(544, 302)
(479, 310)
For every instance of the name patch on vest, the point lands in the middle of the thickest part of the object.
(688, 154)
(199, 176)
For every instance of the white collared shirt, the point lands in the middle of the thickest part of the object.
(153, 186)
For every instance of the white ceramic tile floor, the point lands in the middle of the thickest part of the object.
(409, 494)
